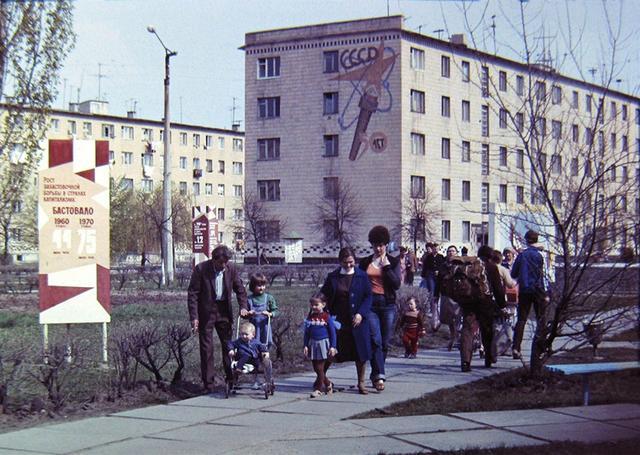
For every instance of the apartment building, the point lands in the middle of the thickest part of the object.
(208, 163)
(401, 117)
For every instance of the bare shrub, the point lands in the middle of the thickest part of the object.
(12, 356)
(178, 338)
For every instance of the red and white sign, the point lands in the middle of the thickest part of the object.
(204, 234)
(73, 224)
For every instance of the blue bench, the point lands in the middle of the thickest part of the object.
(586, 369)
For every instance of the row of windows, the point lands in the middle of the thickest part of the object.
(108, 131)
(147, 185)
(148, 160)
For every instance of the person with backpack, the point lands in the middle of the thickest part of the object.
(528, 269)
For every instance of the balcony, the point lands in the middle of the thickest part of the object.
(197, 173)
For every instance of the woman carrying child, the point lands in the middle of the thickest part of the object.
(319, 342)
(262, 306)
(412, 328)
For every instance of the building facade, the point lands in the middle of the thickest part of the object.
(208, 163)
(432, 138)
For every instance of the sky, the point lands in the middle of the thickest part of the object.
(116, 59)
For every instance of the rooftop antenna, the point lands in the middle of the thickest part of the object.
(439, 32)
(593, 71)
(545, 56)
(233, 113)
(387, 7)
(100, 76)
(493, 30)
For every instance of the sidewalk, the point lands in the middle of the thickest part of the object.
(289, 422)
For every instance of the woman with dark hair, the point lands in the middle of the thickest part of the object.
(348, 294)
(384, 274)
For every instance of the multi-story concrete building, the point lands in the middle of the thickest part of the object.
(401, 117)
(208, 163)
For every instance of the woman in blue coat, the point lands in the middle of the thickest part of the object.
(348, 293)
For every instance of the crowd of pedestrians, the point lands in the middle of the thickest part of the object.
(356, 312)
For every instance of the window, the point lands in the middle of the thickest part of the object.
(330, 62)
(485, 120)
(484, 158)
(625, 144)
(147, 134)
(613, 173)
(574, 167)
(269, 190)
(446, 189)
(331, 145)
(147, 185)
(542, 160)
(112, 156)
(267, 108)
(588, 101)
(108, 130)
(196, 163)
(466, 231)
(484, 81)
(638, 116)
(147, 159)
(237, 168)
(520, 85)
(237, 190)
(220, 189)
(126, 132)
(503, 156)
(330, 104)
(484, 197)
(466, 111)
(587, 168)
(625, 112)
(221, 139)
(541, 126)
(575, 100)
(417, 144)
(17, 206)
(601, 144)
(466, 151)
(519, 122)
(588, 136)
(575, 133)
(183, 162)
(54, 124)
(208, 189)
(237, 145)
(238, 214)
(330, 230)
(556, 129)
(269, 231)
(466, 71)
(330, 187)
(208, 141)
(417, 101)
(614, 110)
(209, 164)
(556, 197)
(520, 158)
(556, 163)
(623, 203)
(221, 214)
(269, 149)
(268, 67)
(502, 81)
(196, 140)
(126, 184)
(417, 187)
(87, 129)
(221, 167)
(445, 66)
(466, 190)
(445, 148)
(502, 194)
(556, 94)
(71, 127)
(446, 106)
(446, 230)
(541, 90)
(503, 118)
(183, 138)
(417, 59)
(519, 194)
(127, 158)
(195, 187)
(183, 188)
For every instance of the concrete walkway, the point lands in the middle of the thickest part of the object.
(290, 422)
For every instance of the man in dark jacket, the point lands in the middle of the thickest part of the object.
(483, 311)
(209, 301)
(528, 269)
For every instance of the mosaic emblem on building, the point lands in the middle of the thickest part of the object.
(368, 69)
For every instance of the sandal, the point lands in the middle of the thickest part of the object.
(329, 388)
(379, 385)
(361, 389)
(315, 394)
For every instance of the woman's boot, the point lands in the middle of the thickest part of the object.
(360, 368)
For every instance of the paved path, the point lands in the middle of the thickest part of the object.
(290, 422)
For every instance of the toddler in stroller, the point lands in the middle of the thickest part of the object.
(246, 354)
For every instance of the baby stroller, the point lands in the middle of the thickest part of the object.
(268, 386)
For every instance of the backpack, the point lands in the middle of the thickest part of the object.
(464, 279)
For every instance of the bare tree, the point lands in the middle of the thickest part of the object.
(257, 225)
(416, 217)
(338, 212)
(35, 38)
(570, 142)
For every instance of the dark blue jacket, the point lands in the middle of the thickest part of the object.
(359, 303)
(528, 269)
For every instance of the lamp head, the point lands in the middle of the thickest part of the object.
(151, 29)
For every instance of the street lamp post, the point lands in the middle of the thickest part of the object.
(167, 215)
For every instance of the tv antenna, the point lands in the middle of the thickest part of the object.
(439, 31)
(100, 76)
